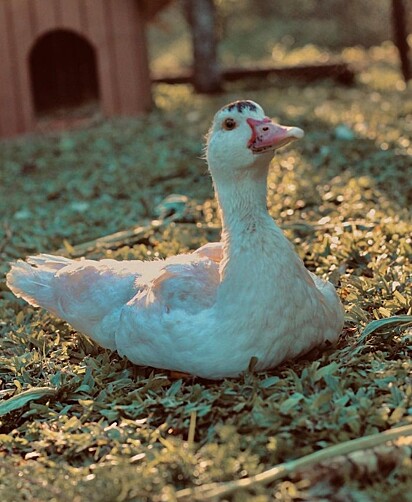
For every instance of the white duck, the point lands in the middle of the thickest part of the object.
(209, 312)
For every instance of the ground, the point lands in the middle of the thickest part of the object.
(97, 427)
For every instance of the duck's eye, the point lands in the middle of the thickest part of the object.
(229, 124)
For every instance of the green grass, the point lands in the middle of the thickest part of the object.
(111, 431)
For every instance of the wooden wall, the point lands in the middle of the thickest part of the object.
(114, 28)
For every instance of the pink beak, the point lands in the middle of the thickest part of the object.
(268, 136)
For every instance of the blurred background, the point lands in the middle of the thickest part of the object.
(74, 61)
(251, 32)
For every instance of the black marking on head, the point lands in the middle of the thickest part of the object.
(240, 106)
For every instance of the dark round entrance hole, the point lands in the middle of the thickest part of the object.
(63, 72)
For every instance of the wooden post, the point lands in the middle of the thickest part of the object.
(400, 35)
(207, 74)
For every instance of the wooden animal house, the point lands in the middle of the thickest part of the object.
(61, 54)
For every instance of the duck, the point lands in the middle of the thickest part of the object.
(208, 312)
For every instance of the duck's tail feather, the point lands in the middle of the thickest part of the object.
(32, 279)
(49, 261)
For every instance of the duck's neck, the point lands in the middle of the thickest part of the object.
(248, 231)
(242, 205)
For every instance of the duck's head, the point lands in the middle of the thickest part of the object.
(242, 138)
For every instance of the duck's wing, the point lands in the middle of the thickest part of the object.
(168, 322)
(211, 250)
(185, 282)
(88, 294)
(331, 305)
(91, 295)
(314, 299)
